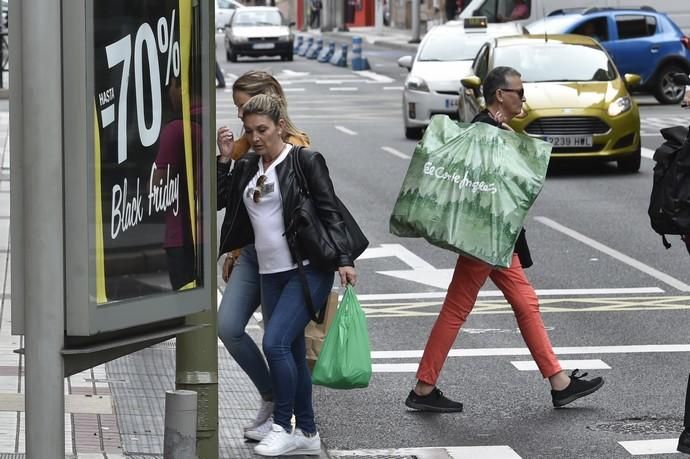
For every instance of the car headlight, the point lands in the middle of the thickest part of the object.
(416, 84)
(284, 38)
(620, 105)
(238, 39)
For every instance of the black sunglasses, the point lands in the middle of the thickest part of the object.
(520, 92)
(259, 188)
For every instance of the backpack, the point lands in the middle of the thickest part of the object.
(669, 203)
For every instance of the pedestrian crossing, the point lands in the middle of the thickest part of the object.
(634, 448)
(650, 126)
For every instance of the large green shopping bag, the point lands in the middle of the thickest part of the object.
(345, 359)
(469, 187)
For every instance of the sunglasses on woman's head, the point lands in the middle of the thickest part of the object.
(259, 188)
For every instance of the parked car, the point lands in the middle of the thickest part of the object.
(575, 97)
(258, 31)
(640, 41)
(444, 56)
(224, 10)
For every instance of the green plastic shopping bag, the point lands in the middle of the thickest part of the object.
(469, 187)
(345, 359)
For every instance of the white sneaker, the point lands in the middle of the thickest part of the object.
(260, 432)
(265, 412)
(277, 443)
(306, 445)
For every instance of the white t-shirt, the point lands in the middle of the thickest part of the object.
(266, 216)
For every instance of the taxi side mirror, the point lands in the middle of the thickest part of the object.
(632, 79)
(405, 62)
(471, 82)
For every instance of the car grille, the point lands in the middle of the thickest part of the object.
(262, 39)
(567, 125)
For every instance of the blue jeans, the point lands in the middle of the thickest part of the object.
(241, 297)
(283, 300)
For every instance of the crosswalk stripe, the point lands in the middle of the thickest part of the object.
(643, 447)
(512, 351)
(452, 452)
(531, 365)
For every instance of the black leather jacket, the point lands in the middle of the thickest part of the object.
(521, 247)
(236, 231)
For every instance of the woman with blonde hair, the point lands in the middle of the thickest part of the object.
(240, 269)
(260, 196)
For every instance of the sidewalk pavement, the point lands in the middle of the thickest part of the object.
(389, 37)
(115, 410)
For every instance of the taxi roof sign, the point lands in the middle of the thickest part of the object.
(475, 22)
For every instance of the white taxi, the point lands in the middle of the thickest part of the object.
(443, 58)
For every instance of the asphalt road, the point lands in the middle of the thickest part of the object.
(613, 299)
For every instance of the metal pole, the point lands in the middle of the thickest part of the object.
(378, 20)
(179, 438)
(197, 352)
(415, 22)
(40, 157)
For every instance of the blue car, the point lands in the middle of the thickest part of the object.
(640, 41)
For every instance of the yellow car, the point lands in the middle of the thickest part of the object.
(575, 97)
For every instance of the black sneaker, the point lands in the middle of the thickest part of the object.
(684, 441)
(434, 401)
(577, 388)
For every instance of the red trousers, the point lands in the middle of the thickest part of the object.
(468, 278)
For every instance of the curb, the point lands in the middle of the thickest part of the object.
(324, 451)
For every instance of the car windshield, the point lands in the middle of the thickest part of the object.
(257, 18)
(556, 62)
(452, 46)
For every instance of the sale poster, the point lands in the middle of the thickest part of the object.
(148, 128)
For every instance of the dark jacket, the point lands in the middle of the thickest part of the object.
(236, 231)
(521, 247)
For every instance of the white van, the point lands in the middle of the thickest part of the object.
(677, 10)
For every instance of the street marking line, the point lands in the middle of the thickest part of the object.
(345, 130)
(663, 277)
(395, 152)
(392, 88)
(511, 351)
(452, 452)
(498, 293)
(293, 89)
(547, 305)
(377, 77)
(647, 152)
(394, 367)
(659, 446)
(531, 365)
(346, 88)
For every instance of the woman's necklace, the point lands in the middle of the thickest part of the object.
(267, 164)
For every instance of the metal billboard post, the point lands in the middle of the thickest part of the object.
(37, 211)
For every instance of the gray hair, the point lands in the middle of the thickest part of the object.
(495, 80)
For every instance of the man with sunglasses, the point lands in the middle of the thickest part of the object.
(504, 96)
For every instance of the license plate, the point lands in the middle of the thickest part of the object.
(450, 103)
(264, 45)
(569, 141)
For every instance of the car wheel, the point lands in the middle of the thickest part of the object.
(289, 56)
(413, 133)
(630, 163)
(232, 57)
(665, 90)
